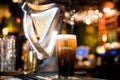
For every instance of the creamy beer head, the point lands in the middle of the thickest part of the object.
(66, 36)
(66, 40)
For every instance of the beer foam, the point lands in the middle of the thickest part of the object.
(65, 36)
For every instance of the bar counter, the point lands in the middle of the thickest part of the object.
(40, 76)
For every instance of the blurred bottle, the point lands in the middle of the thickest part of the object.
(1, 53)
(8, 53)
(29, 58)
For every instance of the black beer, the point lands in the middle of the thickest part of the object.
(66, 51)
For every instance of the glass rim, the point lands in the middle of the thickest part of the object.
(65, 36)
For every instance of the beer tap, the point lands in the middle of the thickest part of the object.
(72, 11)
(69, 16)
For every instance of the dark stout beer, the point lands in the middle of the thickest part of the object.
(66, 51)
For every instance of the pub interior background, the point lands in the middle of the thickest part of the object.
(96, 24)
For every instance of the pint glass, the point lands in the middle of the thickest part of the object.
(66, 51)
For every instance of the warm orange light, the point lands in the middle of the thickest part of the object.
(18, 20)
(17, 1)
(14, 1)
(104, 38)
(100, 50)
(108, 4)
(5, 31)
